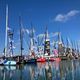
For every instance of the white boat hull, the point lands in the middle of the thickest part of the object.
(10, 63)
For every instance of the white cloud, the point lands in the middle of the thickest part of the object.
(65, 17)
(73, 13)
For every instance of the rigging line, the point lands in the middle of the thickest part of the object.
(40, 40)
(27, 42)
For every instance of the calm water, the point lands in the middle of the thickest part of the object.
(64, 70)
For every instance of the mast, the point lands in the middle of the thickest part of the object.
(21, 36)
(31, 40)
(6, 30)
(69, 47)
(59, 38)
(59, 44)
(10, 36)
(47, 43)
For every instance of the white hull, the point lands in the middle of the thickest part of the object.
(9, 63)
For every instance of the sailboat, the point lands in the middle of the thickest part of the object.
(8, 60)
(56, 51)
(44, 57)
(20, 58)
(31, 58)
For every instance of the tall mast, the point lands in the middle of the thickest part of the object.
(21, 36)
(6, 30)
(21, 40)
(31, 39)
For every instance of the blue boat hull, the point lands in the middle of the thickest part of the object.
(31, 61)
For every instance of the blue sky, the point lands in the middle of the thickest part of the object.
(58, 15)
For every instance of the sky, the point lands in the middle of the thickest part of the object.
(58, 15)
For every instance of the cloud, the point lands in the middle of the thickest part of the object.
(66, 17)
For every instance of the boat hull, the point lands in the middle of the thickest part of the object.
(41, 60)
(31, 61)
(9, 63)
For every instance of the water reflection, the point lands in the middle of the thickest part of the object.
(64, 70)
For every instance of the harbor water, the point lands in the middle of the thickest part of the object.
(63, 70)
